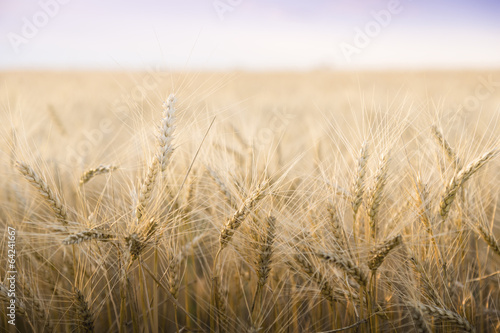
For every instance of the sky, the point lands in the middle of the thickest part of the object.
(249, 34)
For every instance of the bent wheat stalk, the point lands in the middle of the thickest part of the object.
(91, 173)
(446, 315)
(489, 238)
(459, 179)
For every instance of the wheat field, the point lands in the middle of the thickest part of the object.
(250, 202)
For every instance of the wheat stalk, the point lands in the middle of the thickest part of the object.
(40, 311)
(447, 316)
(459, 179)
(137, 240)
(86, 235)
(347, 266)
(174, 262)
(161, 158)
(222, 187)
(450, 153)
(380, 253)
(489, 238)
(85, 320)
(376, 193)
(91, 173)
(316, 275)
(234, 222)
(265, 252)
(41, 185)
(421, 326)
(220, 303)
(359, 180)
(337, 228)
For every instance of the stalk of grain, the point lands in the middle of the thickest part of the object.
(85, 318)
(235, 221)
(91, 173)
(336, 227)
(382, 251)
(223, 188)
(227, 232)
(316, 276)
(137, 240)
(489, 238)
(220, 304)
(443, 143)
(264, 259)
(459, 179)
(426, 284)
(359, 180)
(446, 315)
(86, 235)
(174, 262)
(40, 311)
(420, 324)
(41, 186)
(376, 193)
(266, 251)
(347, 266)
(162, 156)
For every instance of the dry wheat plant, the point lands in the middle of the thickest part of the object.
(271, 202)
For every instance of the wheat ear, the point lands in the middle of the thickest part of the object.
(336, 227)
(359, 180)
(84, 314)
(347, 266)
(421, 326)
(137, 240)
(489, 238)
(264, 258)
(222, 187)
(234, 222)
(376, 193)
(86, 236)
(380, 253)
(220, 303)
(40, 311)
(315, 274)
(459, 179)
(446, 315)
(165, 137)
(174, 262)
(443, 143)
(41, 185)
(91, 173)
(161, 158)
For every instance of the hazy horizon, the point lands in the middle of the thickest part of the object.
(249, 35)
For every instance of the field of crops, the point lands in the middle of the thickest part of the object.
(250, 202)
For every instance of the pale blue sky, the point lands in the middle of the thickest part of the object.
(260, 34)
